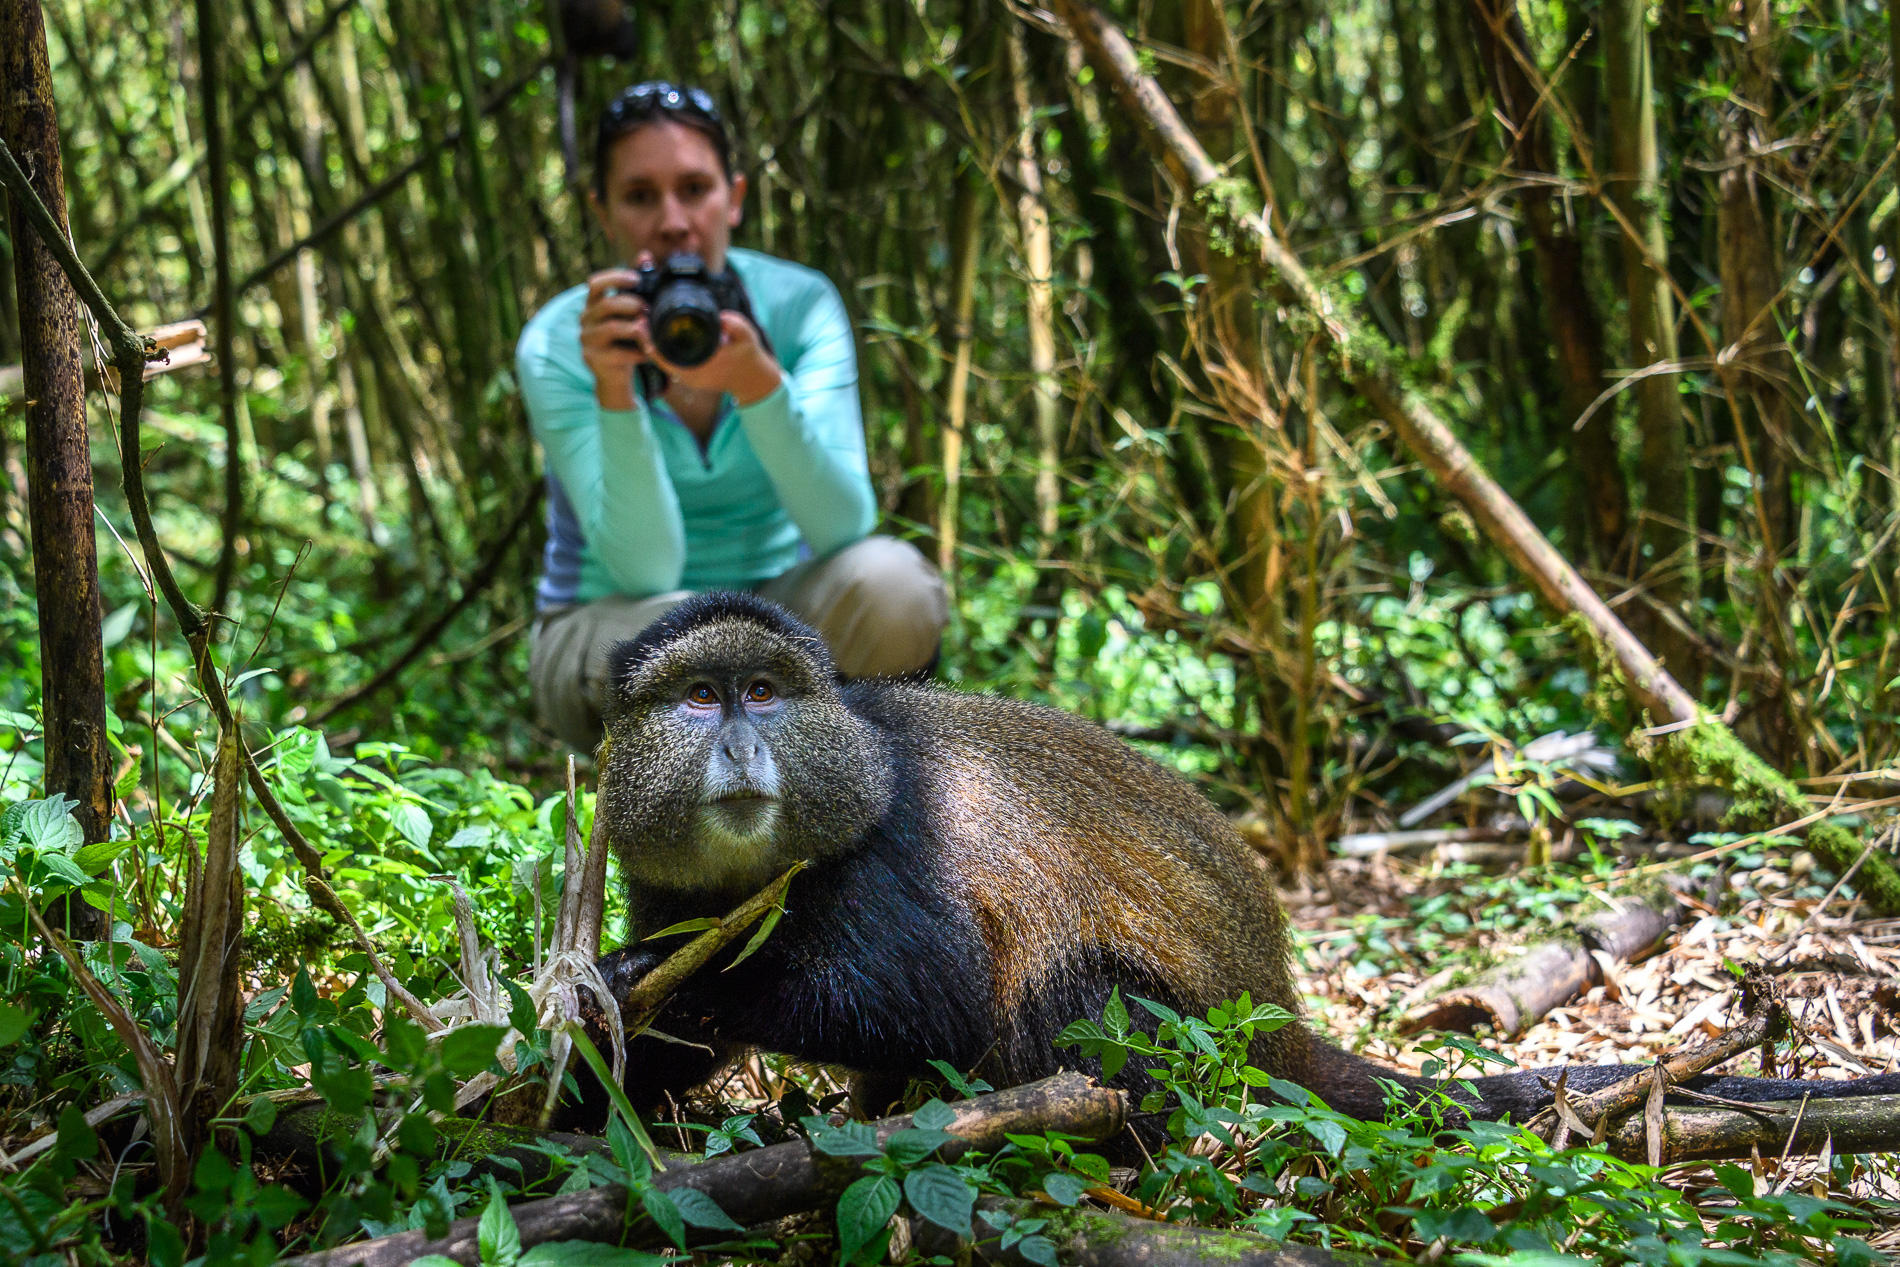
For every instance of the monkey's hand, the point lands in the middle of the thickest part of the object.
(626, 968)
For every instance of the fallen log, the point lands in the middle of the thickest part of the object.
(1513, 994)
(759, 1186)
(1109, 1238)
(1852, 1124)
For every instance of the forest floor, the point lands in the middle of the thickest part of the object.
(1839, 974)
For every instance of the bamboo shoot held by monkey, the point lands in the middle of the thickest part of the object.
(982, 872)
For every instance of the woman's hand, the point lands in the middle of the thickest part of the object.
(740, 365)
(615, 338)
(614, 335)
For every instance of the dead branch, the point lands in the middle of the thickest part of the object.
(1513, 994)
(1850, 1124)
(1766, 1016)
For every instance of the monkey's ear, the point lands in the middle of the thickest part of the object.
(623, 659)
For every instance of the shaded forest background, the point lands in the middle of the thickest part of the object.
(1664, 320)
(1178, 412)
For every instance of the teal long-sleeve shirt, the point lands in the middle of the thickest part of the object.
(635, 507)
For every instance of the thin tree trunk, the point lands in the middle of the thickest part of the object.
(1575, 326)
(1893, 316)
(498, 268)
(1757, 371)
(58, 459)
(1032, 218)
(1760, 373)
(1635, 186)
(223, 309)
(964, 245)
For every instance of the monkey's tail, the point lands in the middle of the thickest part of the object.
(1356, 1086)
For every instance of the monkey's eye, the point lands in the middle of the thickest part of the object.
(702, 696)
(760, 693)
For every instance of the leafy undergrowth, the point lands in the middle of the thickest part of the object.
(394, 812)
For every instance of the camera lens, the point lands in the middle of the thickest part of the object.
(684, 320)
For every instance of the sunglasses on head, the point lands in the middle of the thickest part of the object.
(656, 95)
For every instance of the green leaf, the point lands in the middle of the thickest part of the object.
(665, 1215)
(92, 859)
(850, 1139)
(699, 925)
(13, 1022)
(864, 1209)
(48, 825)
(1038, 1249)
(77, 1140)
(114, 628)
(1462, 1226)
(909, 1147)
(62, 868)
(763, 931)
(521, 1013)
(469, 1049)
(413, 822)
(497, 1235)
(941, 1195)
(1331, 1135)
(701, 1210)
(585, 1049)
(260, 1116)
(1065, 1189)
(933, 1115)
(968, 1088)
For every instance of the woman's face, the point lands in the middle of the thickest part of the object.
(666, 192)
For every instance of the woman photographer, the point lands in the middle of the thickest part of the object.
(746, 471)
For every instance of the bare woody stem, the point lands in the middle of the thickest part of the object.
(130, 352)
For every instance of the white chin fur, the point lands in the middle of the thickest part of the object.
(742, 823)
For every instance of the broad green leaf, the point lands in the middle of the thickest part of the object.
(701, 1210)
(941, 1195)
(260, 1116)
(114, 628)
(48, 825)
(863, 1211)
(13, 1022)
(933, 1115)
(849, 1139)
(469, 1049)
(414, 823)
(665, 1215)
(909, 1147)
(497, 1235)
(1064, 1189)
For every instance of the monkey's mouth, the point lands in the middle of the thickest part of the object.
(742, 813)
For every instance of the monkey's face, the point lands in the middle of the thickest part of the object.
(727, 746)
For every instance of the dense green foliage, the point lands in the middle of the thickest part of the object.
(1245, 572)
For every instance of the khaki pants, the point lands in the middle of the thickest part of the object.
(879, 604)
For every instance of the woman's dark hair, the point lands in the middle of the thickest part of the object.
(656, 100)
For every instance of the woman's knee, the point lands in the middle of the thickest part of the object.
(889, 608)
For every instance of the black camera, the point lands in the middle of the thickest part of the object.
(684, 299)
